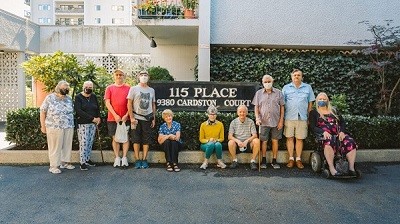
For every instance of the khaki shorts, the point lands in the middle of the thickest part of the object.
(296, 129)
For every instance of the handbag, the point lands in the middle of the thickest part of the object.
(121, 134)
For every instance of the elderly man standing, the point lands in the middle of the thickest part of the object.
(243, 135)
(298, 103)
(269, 110)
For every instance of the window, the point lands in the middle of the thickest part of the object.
(66, 7)
(43, 7)
(117, 8)
(97, 20)
(44, 20)
(117, 21)
(97, 7)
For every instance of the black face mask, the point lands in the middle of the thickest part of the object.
(88, 91)
(64, 91)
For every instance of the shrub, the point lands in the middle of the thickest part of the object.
(159, 73)
(23, 128)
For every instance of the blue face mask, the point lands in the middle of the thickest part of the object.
(322, 103)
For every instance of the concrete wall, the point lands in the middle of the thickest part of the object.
(93, 39)
(18, 34)
(178, 59)
(306, 23)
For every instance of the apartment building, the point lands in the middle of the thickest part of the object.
(81, 12)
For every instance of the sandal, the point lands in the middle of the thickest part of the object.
(176, 168)
(169, 168)
(54, 170)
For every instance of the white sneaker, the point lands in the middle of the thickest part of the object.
(204, 166)
(221, 164)
(67, 166)
(124, 161)
(117, 162)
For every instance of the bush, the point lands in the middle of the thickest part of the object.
(23, 128)
(159, 73)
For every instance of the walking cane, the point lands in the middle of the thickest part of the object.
(99, 142)
(259, 151)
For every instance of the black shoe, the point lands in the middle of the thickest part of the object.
(90, 163)
(84, 167)
(253, 166)
(234, 165)
(352, 173)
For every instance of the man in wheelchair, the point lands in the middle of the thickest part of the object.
(329, 127)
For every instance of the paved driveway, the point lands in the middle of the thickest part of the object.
(108, 195)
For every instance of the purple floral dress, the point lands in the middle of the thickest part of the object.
(330, 125)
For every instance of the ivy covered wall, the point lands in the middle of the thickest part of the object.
(330, 71)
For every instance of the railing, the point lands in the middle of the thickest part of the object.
(162, 9)
(73, 10)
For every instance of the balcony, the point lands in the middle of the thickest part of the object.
(70, 11)
(166, 22)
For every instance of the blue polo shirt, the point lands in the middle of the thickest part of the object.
(296, 101)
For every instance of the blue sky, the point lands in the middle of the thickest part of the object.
(16, 7)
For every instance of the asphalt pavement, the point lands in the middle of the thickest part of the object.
(30, 194)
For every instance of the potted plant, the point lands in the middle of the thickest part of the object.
(147, 10)
(189, 7)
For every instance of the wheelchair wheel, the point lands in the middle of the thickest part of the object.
(316, 163)
(327, 174)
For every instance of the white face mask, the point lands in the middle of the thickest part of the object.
(267, 85)
(143, 79)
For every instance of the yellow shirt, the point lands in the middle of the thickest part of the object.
(208, 131)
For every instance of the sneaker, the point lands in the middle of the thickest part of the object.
(263, 166)
(67, 166)
(124, 162)
(204, 166)
(221, 164)
(234, 165)
(275, 165)
(145, 165)
(117, 162)
(253, 166)
(90, 163)
(84, 166)
(138, 164)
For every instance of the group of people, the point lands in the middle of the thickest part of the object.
(288, 112)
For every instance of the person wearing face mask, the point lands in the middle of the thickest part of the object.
(57, 122)
(269, 110)
(87, 113)
(326, 122)
(298, 97)
(211, 135)
(142, 109)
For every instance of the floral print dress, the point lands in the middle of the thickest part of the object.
(329, 123)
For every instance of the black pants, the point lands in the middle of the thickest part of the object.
(171, 149)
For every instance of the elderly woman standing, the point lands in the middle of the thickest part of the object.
(170, 139)
(87, 116)
(327, 123)
(57, 122)
(211, 135)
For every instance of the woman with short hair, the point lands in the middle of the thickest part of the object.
(169, 138)
(57, 122)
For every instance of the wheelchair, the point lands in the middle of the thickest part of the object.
(319, 163)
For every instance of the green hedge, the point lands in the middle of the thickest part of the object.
(23, 128)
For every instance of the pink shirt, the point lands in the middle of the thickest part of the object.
(117, 96)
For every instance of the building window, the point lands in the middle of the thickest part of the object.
(117, 7)
(97, 20)
(66, 7)
(97, 7)
(44, 20)
(43, 7)
(117, 21)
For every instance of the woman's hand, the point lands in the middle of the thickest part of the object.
(341, 136)
(43, 129)
(327, 135)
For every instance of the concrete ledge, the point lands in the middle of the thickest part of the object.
(41, 156)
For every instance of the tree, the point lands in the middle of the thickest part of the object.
(384, 53)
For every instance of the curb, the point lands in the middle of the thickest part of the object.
(30, 157)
